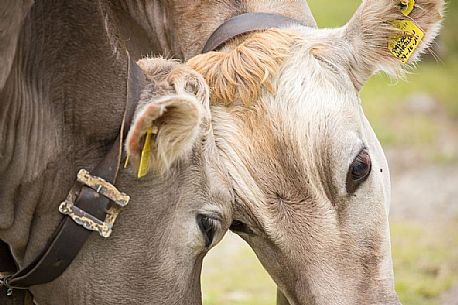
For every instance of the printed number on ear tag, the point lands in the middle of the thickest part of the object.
(146, 153)
(407, 6)
(403, 45)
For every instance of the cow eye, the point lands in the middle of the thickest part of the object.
(207, 226)
(240, 227)
(358, 171)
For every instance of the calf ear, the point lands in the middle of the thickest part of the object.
(173, 123)
(381, 34)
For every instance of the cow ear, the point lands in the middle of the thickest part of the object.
(387, 34)
(163, 131)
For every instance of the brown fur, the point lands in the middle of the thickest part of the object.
(241, 72)
(60, 110)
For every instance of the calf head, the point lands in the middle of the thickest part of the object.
(310, 177)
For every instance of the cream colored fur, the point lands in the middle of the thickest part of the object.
(288, 150)
(241, 70)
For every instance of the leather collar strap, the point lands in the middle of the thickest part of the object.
(69, 237)
(245, 23)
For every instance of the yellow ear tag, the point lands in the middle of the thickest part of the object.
(407, 6)
(146, 153)
(126, 163)
(403, 45)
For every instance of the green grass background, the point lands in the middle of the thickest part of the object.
(425, 257)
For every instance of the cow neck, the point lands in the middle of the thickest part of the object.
(69, 237)
(243, 24)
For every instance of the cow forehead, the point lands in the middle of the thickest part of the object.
(301, 156)
(315, 104)
(312, 117)
(312, 127)
(322, 108)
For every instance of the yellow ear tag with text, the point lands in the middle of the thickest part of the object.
(146, 153)
(402, 45)
(407, 6)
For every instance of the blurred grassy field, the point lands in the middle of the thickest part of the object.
(425, 254)
(425, 261)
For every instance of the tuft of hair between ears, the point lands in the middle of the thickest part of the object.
(240, 73)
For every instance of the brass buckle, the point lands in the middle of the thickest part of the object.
(85, 219)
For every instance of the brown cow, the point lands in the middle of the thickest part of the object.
(62, 95)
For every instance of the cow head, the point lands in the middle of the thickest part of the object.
(310, 177)
(184, 190)
(179, 208)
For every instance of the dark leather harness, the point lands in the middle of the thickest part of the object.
(93, 196)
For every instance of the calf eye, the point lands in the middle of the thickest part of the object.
(358, 171)
(208, 228)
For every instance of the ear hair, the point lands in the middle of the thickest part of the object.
(157, 68)
(178, 119)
